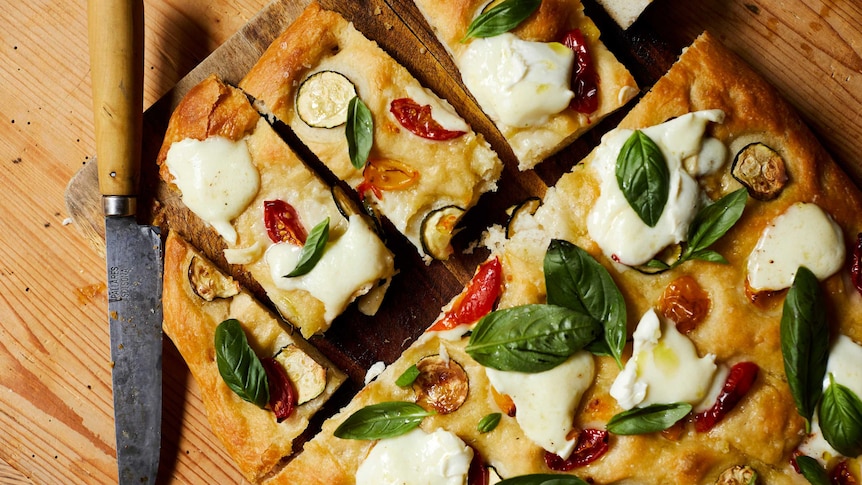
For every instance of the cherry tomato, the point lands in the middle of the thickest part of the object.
(478, 473)
(856, 267)
(478, 298)
(738, 383)
(585, 79)
(282, 223)
(418, 120)
(384, 174)
(841, 475)
(282, 395)
(684, 302)
(591, 445)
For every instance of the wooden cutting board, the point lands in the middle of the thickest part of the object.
(418, 292)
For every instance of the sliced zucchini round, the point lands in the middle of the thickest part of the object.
(347, 206)
(436, 231)
(322, 99)
(208, 283)
(761, 170)
(525, 208)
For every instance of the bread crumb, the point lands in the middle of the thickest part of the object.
(378, 10)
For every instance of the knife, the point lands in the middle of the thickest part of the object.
(134, 252)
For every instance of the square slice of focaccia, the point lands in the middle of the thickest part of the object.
(426, 166)
(686, 331)
(545, 82)
(235, 172)
(197, 298)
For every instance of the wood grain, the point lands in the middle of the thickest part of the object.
(56, 417)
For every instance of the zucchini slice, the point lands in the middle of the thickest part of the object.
(761, 170)
(525, 208)
(322, 99)
(347, 207)
(436, 231)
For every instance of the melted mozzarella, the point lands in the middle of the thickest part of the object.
(350, 265)
(803, 235)
(664, 368)
(417, 458)
(546, 401)
(217, 179)
(442, 112)
(517, 82)
(612, 222)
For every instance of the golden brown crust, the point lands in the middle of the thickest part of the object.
(251, 435)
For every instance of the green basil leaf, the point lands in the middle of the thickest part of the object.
(643, 177)
(530, 338)
(713, 221)
(312, 251)
(812, 471)
(238, 365)
(408, 376)
(543, 479)
(840, 417)
(501, 18)
(489, 422)
(805, 342)
(709, 256)
(382, 420)
(575, 280)
(650, 419)
(359, 130)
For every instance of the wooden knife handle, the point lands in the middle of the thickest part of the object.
(116, 35)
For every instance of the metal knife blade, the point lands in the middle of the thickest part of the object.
(134, 267)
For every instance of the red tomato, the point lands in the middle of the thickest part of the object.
(478, 298)
(856, 267)
(382, 174)
(585, 79)
(841, 475)
(738, 383)
(282, 223)
(282, 395)
(591, 445)
(418, 120)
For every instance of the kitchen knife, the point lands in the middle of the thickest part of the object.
(134, 253)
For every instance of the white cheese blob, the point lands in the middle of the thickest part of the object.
(217, 179)
(612, 222)
(246, 255)
(547, 401)
(350, 265)
(803, 235)
(417, 458)
(664, 368)
(442, 112)
(517, 82)
(845, 365)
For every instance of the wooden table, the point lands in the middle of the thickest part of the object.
(56, 416)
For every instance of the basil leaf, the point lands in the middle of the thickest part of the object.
(643, 177)
(312, 251)
(712, 222)
(408, 376)
(530, 338)
(841, 418)
(359, 130)
(543, 479)
(812, 471)
(382, 420)
(501, 18)
(238, 365)
(655, 417)
(489, 422)
(805, 342)
(575, 280)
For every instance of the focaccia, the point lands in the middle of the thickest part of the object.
(640, 359)
(197, 298)
(426, 167)
(241, 178)
(540, 93)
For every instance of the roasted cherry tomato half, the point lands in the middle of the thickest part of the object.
(841, 475)
(418, 120)
(282, 223)
(591, 445)
(478, 298)
(738, 383)
(585, 79)
(282, 395)
(684, 302)
(384, 174)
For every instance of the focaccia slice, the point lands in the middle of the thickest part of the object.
(197, 298)
(426, 166)
(236, 173)
(523, 79)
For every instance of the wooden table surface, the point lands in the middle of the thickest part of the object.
(56, 416)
